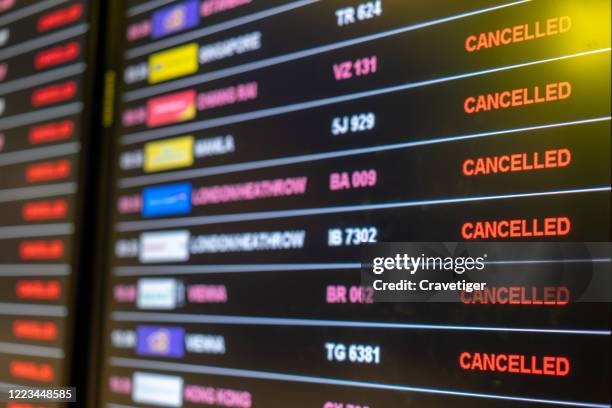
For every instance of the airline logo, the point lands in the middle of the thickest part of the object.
(173, 63)
(166, 200)
(166, 246)
(160, 341)
(173, 108)
(157, 293)
(177, 17)
(157, 389)
(168, 154)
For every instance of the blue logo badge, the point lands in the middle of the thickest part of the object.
(160, 341)
(175, 18)
(166, 200)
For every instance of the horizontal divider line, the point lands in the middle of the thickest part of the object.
(39, 230)
(37, 153)
(548, 261)
(41, 115)
(144, 7)
(22, 309)
(40, 42)
(241, 268)
(49, 190)
(28, 350)
(237, 268)
(122, 316)
(9, 385)
(283, 161)
(41, 78)
(266, 375)
(28, 11)
(266, 215)
(10, 270)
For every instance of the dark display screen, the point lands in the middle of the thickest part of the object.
(260, 146)
(44, 88)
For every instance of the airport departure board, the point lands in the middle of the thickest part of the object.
(44, 88)
(261, 146)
